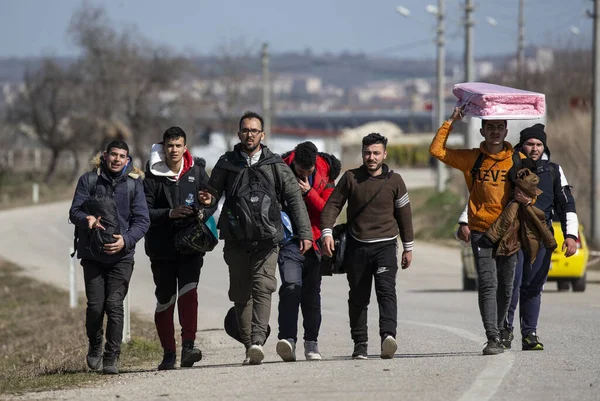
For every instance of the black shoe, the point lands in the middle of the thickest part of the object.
(506, 337)
(190, 355)
(94, 357)
(110, 364)
(360, 351)
(168, 362)
(531, 342)
(493, 347)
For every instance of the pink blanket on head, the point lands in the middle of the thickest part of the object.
(489, 101)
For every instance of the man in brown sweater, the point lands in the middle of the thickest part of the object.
(378, 209)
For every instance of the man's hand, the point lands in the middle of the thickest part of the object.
(94, 222)
(180, 212)
(305, 245)
(304, 184)
(456, 114)
(569, 247)
(328, 245)
(406, 259)
(463, 233)
(205, 198)
(111, 249)
(521, 197)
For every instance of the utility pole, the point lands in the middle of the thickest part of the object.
(266, 90)
(442, 172)
(595, 184)
(521, 44)
(472, 136)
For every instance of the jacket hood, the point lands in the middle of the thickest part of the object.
(335, 166)
(505, 153)
(98, 163)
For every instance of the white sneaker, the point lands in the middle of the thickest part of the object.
(388, 347)
(255, 354)
(246, 361)
(311, 351)
(286, 349)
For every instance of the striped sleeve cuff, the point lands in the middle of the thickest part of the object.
(327, 232)
(403, 201)
(408, 246)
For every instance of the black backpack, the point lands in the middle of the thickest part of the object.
(101, 205)
(254, 206)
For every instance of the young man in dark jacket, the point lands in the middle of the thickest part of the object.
(251, 240)
(174, 191)
(107, 272)
(300, 274)
(378, 210)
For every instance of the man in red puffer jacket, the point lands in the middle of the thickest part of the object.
(300, 274)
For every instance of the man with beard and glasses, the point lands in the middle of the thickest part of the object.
(488, 172)
(107, 272)
(378, 210)
(256, 184)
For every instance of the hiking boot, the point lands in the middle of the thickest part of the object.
(168, 362)
(493, 347)
(531, 342)
(94, 357)
(506, 337)
(286, 349)
(360, 351)
(190, 355)
(388, 347)
(110, 364)
(255, 354)
(311, 351)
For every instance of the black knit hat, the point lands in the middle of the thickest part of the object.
(536, 131)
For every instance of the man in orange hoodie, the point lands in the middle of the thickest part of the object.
(490, 189)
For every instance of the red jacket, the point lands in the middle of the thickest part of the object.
(327, 169)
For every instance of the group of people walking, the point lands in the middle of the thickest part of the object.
(279, 213)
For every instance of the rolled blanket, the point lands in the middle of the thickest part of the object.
(489, 101)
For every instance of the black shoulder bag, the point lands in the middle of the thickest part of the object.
(335, 264)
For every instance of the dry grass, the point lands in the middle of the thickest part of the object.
(43, 340)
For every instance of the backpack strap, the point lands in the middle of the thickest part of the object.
(476, 167)
(517, 165)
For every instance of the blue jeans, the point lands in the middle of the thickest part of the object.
(528, 285)
(495, 278)
(300, 289)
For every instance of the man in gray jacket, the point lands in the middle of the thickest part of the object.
(256, 183)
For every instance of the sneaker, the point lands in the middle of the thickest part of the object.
(246, 361)
(286, 349)
(311, 351)
(255, 354)
(168, 362)
(506, 337)
(110, 364)
(94, 357)
(190, 355)
(531, 342)
(360, 351)
(388, 347)
(493, 347)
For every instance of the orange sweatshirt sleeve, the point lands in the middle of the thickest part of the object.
(461, 159)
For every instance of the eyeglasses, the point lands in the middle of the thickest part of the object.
(253, 131)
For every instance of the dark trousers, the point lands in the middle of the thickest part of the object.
(495, 277)
(528, 285)
(300, 288)
(252, 281)
(176, 281)
(365, 262)
(106, 286)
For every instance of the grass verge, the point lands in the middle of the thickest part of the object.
(44, 344)
(435, 214)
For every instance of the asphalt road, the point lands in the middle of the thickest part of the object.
(440, 336)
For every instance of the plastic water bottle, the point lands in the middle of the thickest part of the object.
(189, 201)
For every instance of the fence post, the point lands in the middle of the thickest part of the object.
(35, 193)
(72, 280)
(126, 320)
